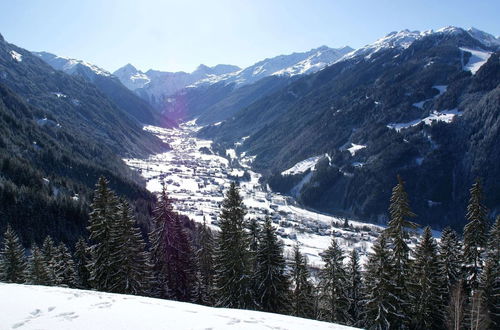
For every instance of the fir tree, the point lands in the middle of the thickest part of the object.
(272, 287)
(184, 264)
(456, 306)
(450, 255)
(133, 274)
(380, 305)
(171, 253)
(400, 211)
(38, 271)
(334, 303)
(161, 245)
(232, 260)
(302, 296)
(48, 253)
(428, 305)
(475, 234)
(354, 289)
(12, 259)
(64, 267)
(82, 260)
(490, 277)
(102, 223)
(205, 261)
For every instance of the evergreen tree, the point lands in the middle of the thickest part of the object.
(161, 245)
(490, 277)
(400, 211)
(171, 253)
(272, 289)
(12, 259)
(253, 228)
(232, 260)
(184, 264)
(64, 267)
(475, 234)
(450, 255)
(48, 253)
(102, 223)
(381, 306)
(334, 303)
(428, 305)
(133, 274)
(38, 271)
(205, 261)
(354, 289)
(302, 296)
(82, 260)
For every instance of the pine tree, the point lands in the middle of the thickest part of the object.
(354, 289)
(302, 296)
(272, 290)
(38, 270)
(82, 260)
(490, 277)
(475, 234)
(48, 253)
(428, 305)
(232, 260)
(102, 221)
(184, 264)
(400, 211)
(381, 306)
(161, 245)
(172, 257)
(334, 303)
(133, 274)
(64, 267)
(205, 261)
(253, 228)
(12, 259)
(450, 255)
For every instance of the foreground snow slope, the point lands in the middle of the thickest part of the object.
(39, 307)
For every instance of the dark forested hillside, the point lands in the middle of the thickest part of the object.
(417, 111)
(58, 135)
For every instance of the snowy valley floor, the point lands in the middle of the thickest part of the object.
(53, 308)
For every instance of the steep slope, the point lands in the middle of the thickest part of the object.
(108, 84)
(39, 307)
(396, 106)
(58, 135)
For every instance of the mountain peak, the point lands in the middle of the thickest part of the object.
(1, 38)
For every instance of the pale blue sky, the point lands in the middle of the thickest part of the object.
(179, 35)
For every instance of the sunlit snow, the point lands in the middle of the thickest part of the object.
(47, 308)
(477, 59)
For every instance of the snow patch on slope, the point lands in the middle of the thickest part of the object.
(477, 59)
(303, 166)
(16, 56)
(445, 116)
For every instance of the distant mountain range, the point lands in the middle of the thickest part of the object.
(157, 87)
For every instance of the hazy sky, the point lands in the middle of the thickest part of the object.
(179, 35)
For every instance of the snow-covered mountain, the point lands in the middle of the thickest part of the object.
(39, 307)
(71, 65)
(155, 86)
(286, 65)
(403, 39)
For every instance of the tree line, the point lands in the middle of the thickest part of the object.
(451, 283)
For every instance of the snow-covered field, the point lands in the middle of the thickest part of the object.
(53, 308)
(197, 182)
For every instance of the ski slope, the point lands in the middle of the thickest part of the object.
(53, 308)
